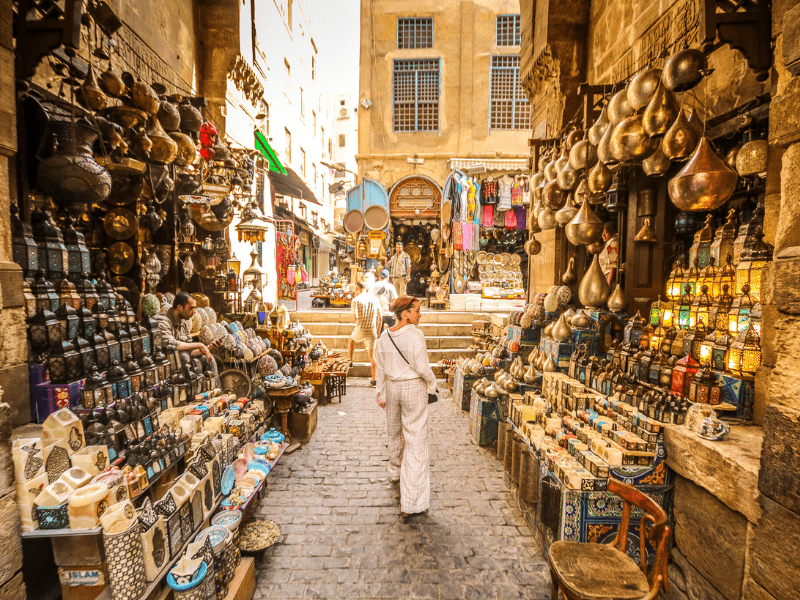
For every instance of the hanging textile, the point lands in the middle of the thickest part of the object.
(521, 217)
(488, 216)
(516, 193)
(287, 245)
(458, 242)
(511, 219)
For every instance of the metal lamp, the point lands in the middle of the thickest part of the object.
(739, 313)
(674, 283)
(44, 329)
(692, 276)
(68, 317)
(23, 247)
(119, 380)
(45, 293)
(744, 356)
(683, 374)
(66, 292)
(754, 256)
(87, 291)
(722, 246)
(253, 276)
(706, 350)
(718, 315)
(700, 250)
(677, 344)
(665, 374)
(719, 353)
(685, 307)
(64, 363)
(657, 309)
(700, 307)
(78, 257)
(693, 342)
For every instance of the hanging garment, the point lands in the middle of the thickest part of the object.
(490, 192)
(488, 216)
(521, 217)
(526, 192)
(458, 243)
(516, 193)
(505, 194)
(511, 219)
(471, 203)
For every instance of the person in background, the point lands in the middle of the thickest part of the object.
(610, 252)
(404, 381)
(366, 312)
(386, 293)
(400, 268)
(176, 330)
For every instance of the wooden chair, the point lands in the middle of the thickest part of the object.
(604, 571)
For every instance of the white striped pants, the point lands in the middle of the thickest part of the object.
(407, 424)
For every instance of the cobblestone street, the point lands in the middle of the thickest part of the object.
(341, 533)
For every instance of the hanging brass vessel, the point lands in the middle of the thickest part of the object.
(549, 365)
(630, 142)
(187, 151)
(616, 301)
(597, 130)
(642, 88)
(547, 219)
(646, 233)
(567, 212)
(657, 164)
(553, 196)
(581, 193)
(168, 116)
(141, 144)
(599, 179)
(90, 92)
(595, 248)
(562, 332)
(660, 112)
(696, 122)
(585, 228)
(538, 191)
(567, 177)
(537, 179)
(730, 157)
(583, 155)
(681, 139)
(684, 69)
(604, 153)
(619, 108)
(593, 291)
(111, 81)
(562, 161)
(551, 170)
(164, 148)
(533, 246)
(705, 183)
(573, 138)
(144, 97)
(569, 277)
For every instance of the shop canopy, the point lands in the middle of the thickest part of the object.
(262, 145)
(291, 185)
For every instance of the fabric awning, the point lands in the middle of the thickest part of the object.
(262, 145)
(325, 246)
(291, 185)
(491, 164)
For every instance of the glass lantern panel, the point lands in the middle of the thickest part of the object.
(704, 354)
(751, 360)
(734, 360)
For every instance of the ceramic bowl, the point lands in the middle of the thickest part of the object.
(239, 468)
(229, 519)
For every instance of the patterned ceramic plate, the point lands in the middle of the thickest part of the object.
(258, 465)
(216, 534)
(228, 518)
(228, 479)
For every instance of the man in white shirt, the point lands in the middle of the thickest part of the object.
(609, 256)
(400, 269)
(386, 293)
(366, 312)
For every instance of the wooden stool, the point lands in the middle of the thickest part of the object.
(438, 304)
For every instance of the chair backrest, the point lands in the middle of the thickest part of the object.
(653, 526)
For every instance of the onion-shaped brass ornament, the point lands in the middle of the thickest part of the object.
(684, 69)
(573, 138)
(561, 161)
(164, 149)
(599, 179)
(660, 113)
(705, 183)
(616, 301)
(553, 196)
(629, 141)
(90, 92)
(681, 139)
(187, 151)
(567, 177)
(547, 219)
(595, 248)
(657, 164)
(111, 82)
(604, 148)
(646, 233)
(696, 122)
(583, 155)
(642, 87)
(551, 170)
(569, 277)
(567, 212)
(144, 97)
(597, 130)
(581, 193)
(619, 108)
(562, 332)
(537, 179)
(585, 228)
(593, 291)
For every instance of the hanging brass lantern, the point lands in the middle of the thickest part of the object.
(553, 196)
(551, 170)
(562, 160)
(684, 70)
(701, 248)
(642, 88)
(696, 122)
(705, 183)
(630, 141)
(583, 155)
(593, 291)
(657, 164)
(599, 179)
(568, 212)
(752, 157)
(597, 130)
(604, 154)
(567, 177)
(547, 219)
(585, 228)
(646, 233)
(619, 108)
(660, 113)
(680, 140)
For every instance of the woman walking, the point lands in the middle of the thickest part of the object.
(404, 381)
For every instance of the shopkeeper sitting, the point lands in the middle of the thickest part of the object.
(176, 330)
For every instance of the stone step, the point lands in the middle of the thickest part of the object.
(362, 369)
(430, 330)
(339, 342)
(360, 354)
(328, 315)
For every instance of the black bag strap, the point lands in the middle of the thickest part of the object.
(396, 348)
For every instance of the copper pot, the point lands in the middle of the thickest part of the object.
(629, 141)
(597, 130)
(705, 183)
(562, 161)
(599, 179)
(537, 179)
(696, 122)
(683, 70)
(583, 155)
(585, 228)
(681, 139)
(191, 119)
(187, 151)
(642, 87)
(619, 108)
(657, 164)
(660, 113)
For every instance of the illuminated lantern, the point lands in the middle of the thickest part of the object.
(705, 354)
(683, 374)
(700, 250)
(692, 277)
(722, 246)
(657, 338)
(665, 375)
(739, 313)
(674, 282)
(700, 308)
(694, 340)
(656, 311)
(719, 354)
(755, 317)
(685, 307)
(744, 356)
(754, 256)
(677, 344)
(718, 315)
(726, 275)
(633, 330)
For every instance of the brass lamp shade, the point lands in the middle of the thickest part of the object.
(683, 70)
(604, 154)
(646, 233)
(642, 88)
(583, 155)
(554, 198)
(660, 113)
(619, 108)
(630, 141)
(585, 228)
(657, 164)
(680, 140)
(597, 130)
(593, 290)
(705, 183)
(599, 179)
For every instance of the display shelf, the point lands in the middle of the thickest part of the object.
(259, 487)
(51, 533)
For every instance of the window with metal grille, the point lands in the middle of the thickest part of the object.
(416, 94)
(508, 105)
(415, 33)
(303, 163)
(508, 30)
(288, 144)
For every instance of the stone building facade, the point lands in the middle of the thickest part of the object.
(736, 513)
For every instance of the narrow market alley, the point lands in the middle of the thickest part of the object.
(342, 535)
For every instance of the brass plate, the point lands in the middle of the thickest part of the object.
(444, 263)
(505, 259)
(120, 258)
(515, 259)
(446, 212)
(205, 218)
(120, 223)
(414, 253)
(459, 284)
(235, 381)
(481, 257)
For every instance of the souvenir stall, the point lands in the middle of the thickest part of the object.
(582, 382)
(480, 253)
